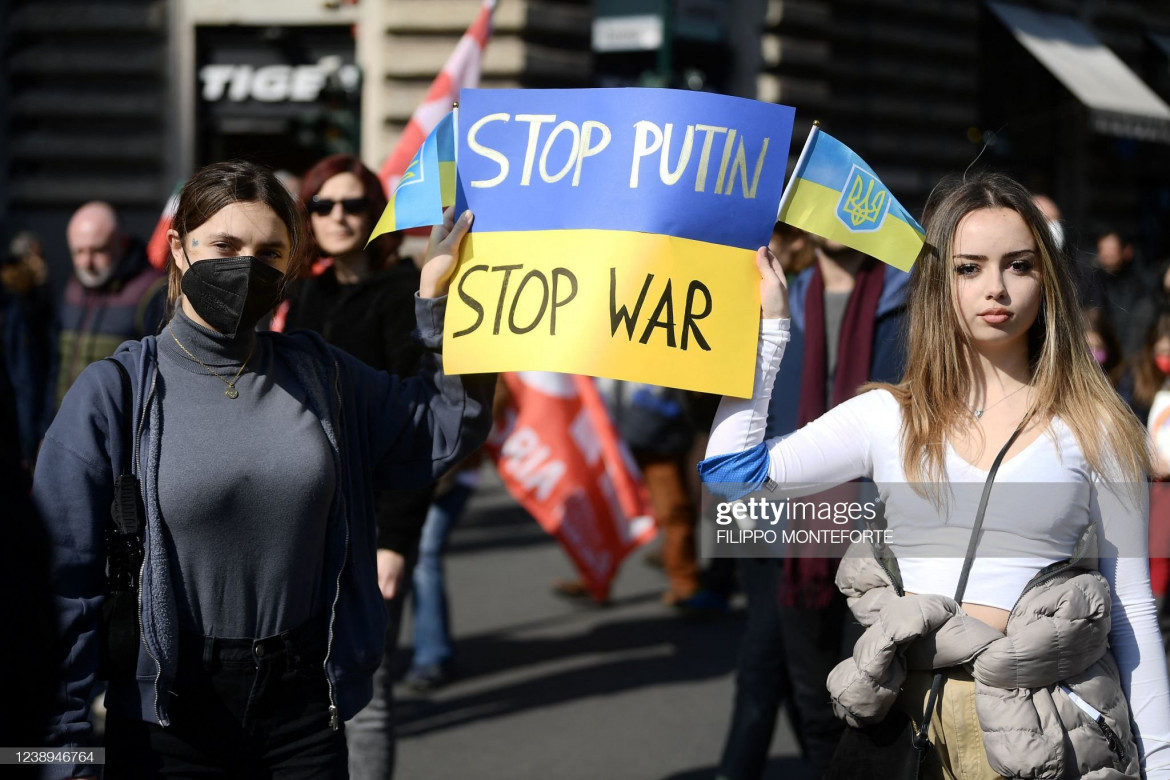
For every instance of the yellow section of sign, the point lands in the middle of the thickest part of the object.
(636, 306)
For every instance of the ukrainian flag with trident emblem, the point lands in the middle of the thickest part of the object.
(427, 185)
(834, 194)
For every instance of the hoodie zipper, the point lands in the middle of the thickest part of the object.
(334, 720)
(142, 569)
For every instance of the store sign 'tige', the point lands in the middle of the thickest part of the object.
(276, 83)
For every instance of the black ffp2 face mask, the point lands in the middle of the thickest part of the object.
(232, 293)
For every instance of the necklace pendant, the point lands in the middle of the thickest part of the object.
(231, 392)
(978, 414)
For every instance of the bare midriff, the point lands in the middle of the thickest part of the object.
(993, 616)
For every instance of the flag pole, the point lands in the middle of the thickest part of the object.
(455, 126)
(786, 196)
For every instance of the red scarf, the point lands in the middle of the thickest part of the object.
(808, 582)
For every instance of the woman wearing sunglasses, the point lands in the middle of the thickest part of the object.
(359, 299)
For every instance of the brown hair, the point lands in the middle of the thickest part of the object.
(221, 184)
(314, 179)
(1148, 379)
(1097, 321)
(1067, 381)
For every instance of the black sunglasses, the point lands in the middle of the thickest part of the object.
(323, 207)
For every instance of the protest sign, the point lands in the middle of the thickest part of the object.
(614, 235)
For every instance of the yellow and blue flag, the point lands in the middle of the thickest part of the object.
(426, 187)
(834, 194)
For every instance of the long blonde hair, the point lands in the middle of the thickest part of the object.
(1067, 382)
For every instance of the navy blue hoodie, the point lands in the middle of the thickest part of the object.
(385, 433)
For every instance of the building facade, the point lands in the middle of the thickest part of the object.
(120, 99)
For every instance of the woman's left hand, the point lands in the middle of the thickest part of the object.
(391, 573)
(443, 253)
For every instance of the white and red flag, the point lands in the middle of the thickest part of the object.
(559, 455)
(461, 70)
(158, 249)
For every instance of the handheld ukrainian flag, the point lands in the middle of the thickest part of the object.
(426, 187)
(834, 194)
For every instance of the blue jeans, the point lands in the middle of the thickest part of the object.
(432, 633)
(370, 734)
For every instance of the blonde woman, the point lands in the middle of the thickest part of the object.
(1046, 635)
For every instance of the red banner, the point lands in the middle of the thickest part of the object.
(559, 455)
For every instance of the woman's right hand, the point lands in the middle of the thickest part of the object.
(773, 287)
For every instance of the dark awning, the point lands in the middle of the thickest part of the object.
(1119, 102)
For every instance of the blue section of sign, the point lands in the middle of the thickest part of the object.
(689, 164)
(864, 202)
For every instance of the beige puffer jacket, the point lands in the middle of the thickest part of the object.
(1056, 641)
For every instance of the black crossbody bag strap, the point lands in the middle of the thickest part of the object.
(920, 736)
(119, 634)
(128, 410)
(124, 512)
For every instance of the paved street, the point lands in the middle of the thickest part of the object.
(552, 690)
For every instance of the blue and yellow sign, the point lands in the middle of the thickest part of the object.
(614, 234)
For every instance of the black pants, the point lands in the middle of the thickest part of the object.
(241, 709)
(785, 657)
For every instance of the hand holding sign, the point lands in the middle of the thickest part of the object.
(442, 251)
(773, 288)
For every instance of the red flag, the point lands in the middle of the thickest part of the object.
(158, 249)
(461, 70)
(559, 455)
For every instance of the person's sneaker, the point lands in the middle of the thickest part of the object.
(576, 591)
(423, 679)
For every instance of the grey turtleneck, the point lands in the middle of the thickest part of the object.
(244, 484)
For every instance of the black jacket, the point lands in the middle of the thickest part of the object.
(372, 320)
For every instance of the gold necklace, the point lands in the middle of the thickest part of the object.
(231, 391)
(980, 412)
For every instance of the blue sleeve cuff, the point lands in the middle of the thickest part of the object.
(736, 474)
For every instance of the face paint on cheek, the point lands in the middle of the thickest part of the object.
(1163, 363)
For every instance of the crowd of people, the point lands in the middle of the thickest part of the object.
(279, 355)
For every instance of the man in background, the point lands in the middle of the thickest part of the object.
(113, 296)
(847, 311)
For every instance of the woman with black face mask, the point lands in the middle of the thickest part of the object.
(258, 616)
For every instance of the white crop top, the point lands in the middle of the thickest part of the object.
(1044, 497)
